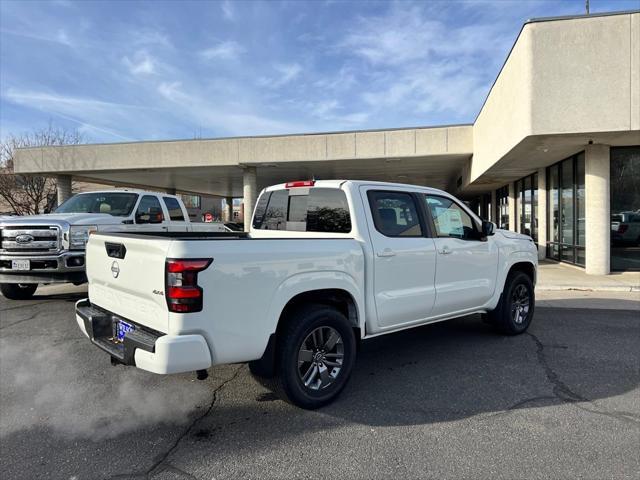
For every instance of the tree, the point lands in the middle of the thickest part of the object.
(31, 194)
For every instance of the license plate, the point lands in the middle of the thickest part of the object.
(20, 265)
(123, 327)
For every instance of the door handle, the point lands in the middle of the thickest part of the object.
(445, 251)
(387, 252)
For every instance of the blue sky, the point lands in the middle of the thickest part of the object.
(123, 71)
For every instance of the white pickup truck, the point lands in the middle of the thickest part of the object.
(325, 265)
(50, 248)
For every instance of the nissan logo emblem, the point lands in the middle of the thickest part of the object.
(24, 238)
(115, 269)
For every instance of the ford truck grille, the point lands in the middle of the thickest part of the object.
(37, 239)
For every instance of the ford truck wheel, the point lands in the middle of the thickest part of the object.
(514, 312)
(18, 291)
(315, 357)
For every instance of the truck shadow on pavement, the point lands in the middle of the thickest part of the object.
(450, 371)
(462, 368)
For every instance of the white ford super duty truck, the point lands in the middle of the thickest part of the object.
(50, 248)
(325, 265)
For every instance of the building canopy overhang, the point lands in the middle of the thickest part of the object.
(431, 156)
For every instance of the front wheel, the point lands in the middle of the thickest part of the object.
(514, 312)
(18, 291)
(315, 357)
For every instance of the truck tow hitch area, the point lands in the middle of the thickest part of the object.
(106, 331)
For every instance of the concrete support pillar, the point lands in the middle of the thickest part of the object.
(228, 209)
(64, 188)
(493, 213)
(543, 213)
(597, 209)
(249, 190)
(513, 217)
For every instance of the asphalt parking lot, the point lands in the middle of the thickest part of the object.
(450, 400)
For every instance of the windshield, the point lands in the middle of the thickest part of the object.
(116, 204)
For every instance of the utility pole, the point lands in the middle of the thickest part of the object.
(587, 6)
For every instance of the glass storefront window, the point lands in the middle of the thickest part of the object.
(625, 208)
(527, 205)
(502, 203)
(566, 207)
(566, 210)
(534, 203)
(553, 205)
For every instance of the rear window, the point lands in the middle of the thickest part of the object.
(173, 207)
(303, 210)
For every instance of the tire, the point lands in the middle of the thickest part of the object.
(325, 363)
(514, 312)
(18, 291)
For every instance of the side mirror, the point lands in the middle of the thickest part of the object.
(488, 228)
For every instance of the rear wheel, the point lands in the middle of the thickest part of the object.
(514, 312)
(315, 356)
(18, 291)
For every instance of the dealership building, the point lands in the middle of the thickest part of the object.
(554, 151)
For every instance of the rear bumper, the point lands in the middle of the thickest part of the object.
(143, 348)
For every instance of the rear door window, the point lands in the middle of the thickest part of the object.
(395, 214)
(173, 207)
(304, 210)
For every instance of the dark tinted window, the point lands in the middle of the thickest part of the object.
(310, 210)
(261, 209)
(297, 208)
(625, 208)
(328, 211)
(173, 207)
(395, 214)
(275, 217)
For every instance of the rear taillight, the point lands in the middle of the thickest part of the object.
(622, 228)
(183, 293)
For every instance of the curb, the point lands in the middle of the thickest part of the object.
(583, 288)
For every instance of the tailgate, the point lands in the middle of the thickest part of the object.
(127, 277)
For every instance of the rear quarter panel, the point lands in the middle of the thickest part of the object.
(250, 281)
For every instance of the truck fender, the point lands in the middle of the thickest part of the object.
(506, 265)
(310, 281)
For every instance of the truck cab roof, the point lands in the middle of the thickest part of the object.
(356, 183)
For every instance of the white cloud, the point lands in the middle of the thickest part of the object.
(149, 37)
(63, 38)
(224, 117)
(141, 64)
(76, 109)
(325, 107)
(227, 50)
(227, 10)
(411, 57)
(60, 37)
(286, 74)
(171, 91)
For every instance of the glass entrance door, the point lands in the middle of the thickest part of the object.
(566, 210)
